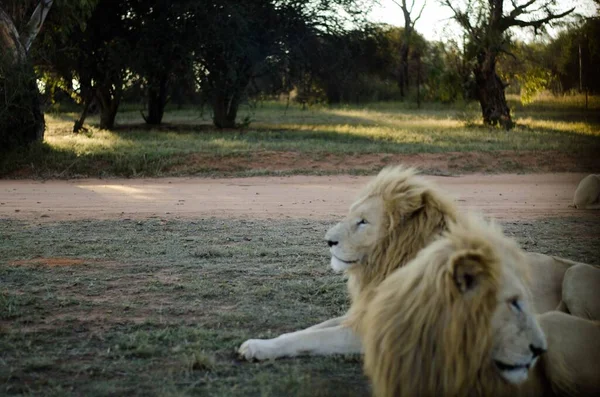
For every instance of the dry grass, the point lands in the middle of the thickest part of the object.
(157, 307)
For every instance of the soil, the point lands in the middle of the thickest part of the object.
(508, 197)
(50, 262)
(435, 163)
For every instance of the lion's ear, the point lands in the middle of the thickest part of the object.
(470, 270)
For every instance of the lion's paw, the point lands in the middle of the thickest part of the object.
(257, 349)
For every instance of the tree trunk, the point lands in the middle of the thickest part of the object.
(24, 120)
(109, 105)
(78, 126)
(107, 117)
(225, 109)
(490, 92)
(418, 81)
(403, 71)
(39, 123)
(157, 101)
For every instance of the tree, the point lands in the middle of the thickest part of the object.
(96, 54)
(487, 24)
(526, 70)
(237, 41)
(409, 25)
(21, 119)
(162, 50)
(563, 56)
(233, 40)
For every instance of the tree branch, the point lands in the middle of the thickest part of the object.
(460, 17)
(35, 23)
(9, 37)
(420, 13)
(518, 10)
(537, 23)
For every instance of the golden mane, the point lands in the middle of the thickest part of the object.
(416, 213)
(421, 338)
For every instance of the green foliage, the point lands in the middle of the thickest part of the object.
(21, 120)
(447, 75)
(162, 54)
(233, 43)
(96, 54)
(358, 66)
(534, 81)
(226, 53)
(562, 57)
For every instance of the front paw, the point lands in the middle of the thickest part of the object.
(257, 349)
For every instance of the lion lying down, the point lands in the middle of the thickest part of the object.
(587, 195)
(398, 214)
(457, 321)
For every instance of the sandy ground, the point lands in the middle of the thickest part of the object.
(508, 197)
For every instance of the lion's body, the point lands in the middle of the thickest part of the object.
(548, 274)
(571, 365)
(425, 333)
(402, 214)
(587, 195)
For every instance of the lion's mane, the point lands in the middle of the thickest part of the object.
(416, 212)
(421, 336)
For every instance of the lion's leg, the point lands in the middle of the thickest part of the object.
(339, 339)
(581, 291)
(547, 275)
(332, 322)
(571, 362)
(592, 206)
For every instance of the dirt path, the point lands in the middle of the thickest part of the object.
(510, 197)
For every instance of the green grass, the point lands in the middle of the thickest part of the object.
(157, 307)
(189, 145)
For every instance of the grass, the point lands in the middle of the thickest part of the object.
(188, 145)
(157, 307)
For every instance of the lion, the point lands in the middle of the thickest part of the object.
(458, 321)
(587, 195)
(396, 215)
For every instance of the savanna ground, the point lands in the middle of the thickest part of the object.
(552, 135)
(156, 305)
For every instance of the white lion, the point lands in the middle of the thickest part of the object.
(587, 195)
(398, 214)
(458, 321)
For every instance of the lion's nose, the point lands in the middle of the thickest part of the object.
(331, 243)
(536, 350)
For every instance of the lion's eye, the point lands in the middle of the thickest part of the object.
(361, 222)
(516, 304)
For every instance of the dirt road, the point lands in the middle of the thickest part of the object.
(510, 197)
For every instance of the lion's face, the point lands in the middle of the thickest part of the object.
(517, 337)
(397, 214)
(352, 240)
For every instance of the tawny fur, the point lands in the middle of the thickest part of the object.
(422, 337)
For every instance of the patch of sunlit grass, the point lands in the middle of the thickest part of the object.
(546, 100)
(577, 127)
(135, 150)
